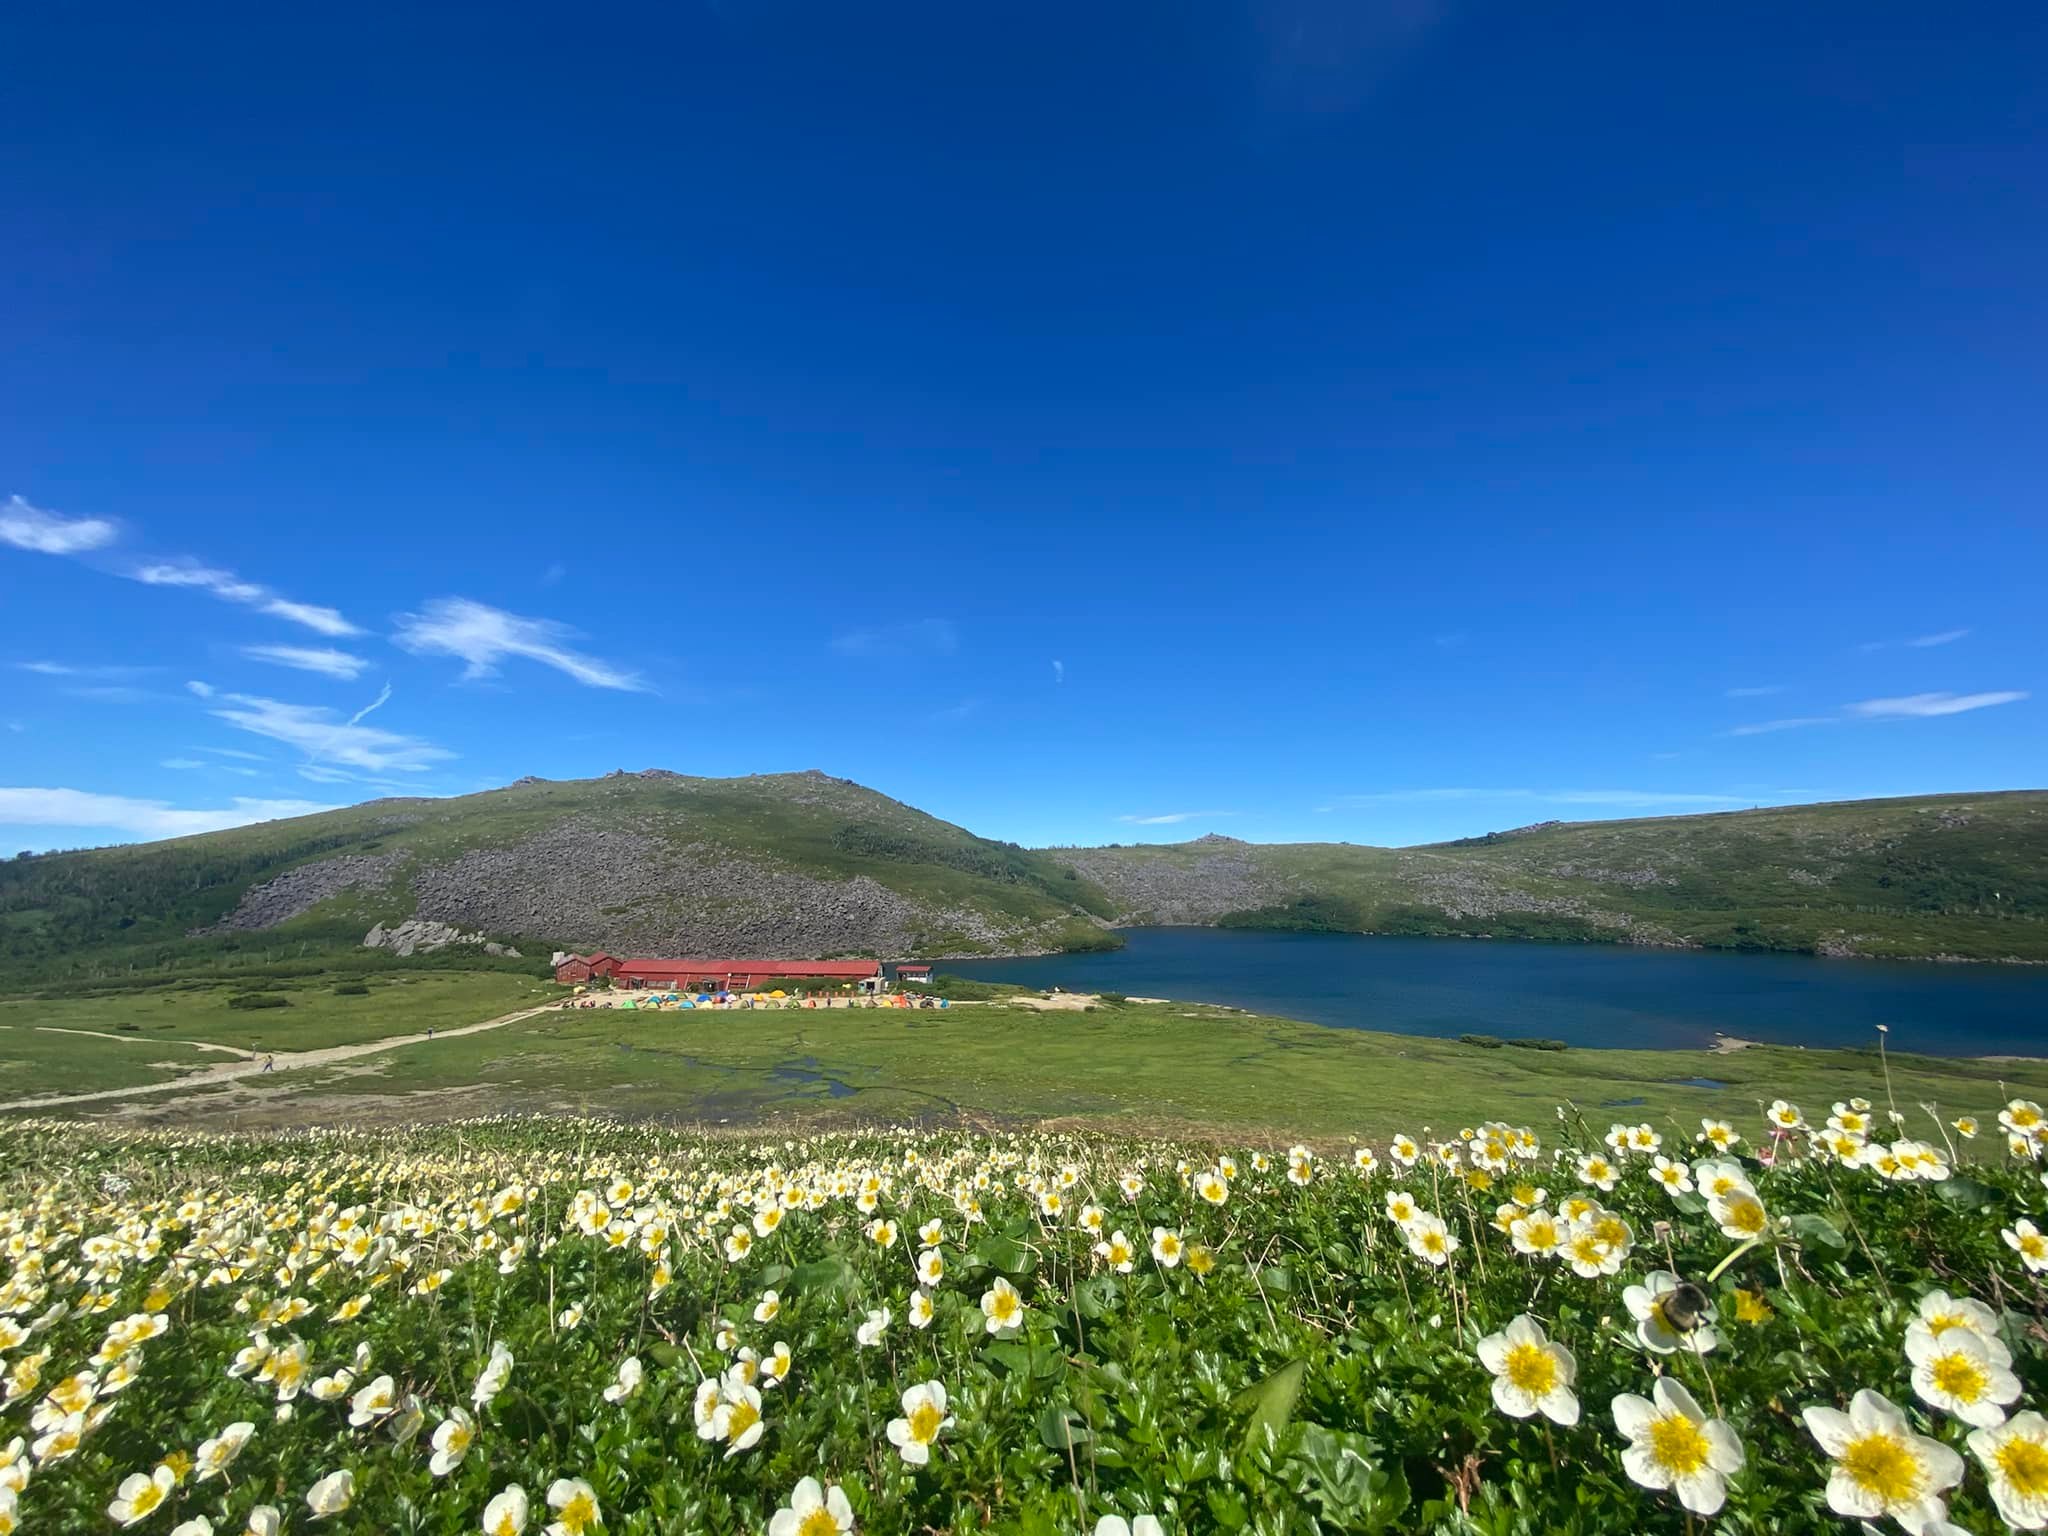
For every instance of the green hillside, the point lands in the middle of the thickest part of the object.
(806, 865)
(791, 864)
(1964, 876)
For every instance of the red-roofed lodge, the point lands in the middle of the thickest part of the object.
(720, 975)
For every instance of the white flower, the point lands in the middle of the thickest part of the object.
(332, 1494)
(704, 1405)
(1954, 1372)
(452, 1439)
(1430, 1240)
(1672, 1444)
(1739, 1214)
(1675, 1177)
(1139, 1525)
(871, 1332)
(1118, 1252)
(739, 1420)
(496, 1372)
(570, 1316)
(1654, 1304)
(628, 1382)
(1167, 1247)
(812, 1511)
(924, 1416)
(505, 1515)
(139, 1495)
(218, 1453)
(921, 1312)
(1880, 1466)
(2015, 1458)
(198, 1525)
(1002, 1307)
(265, 1520)
(2025, 1239)
(766, 1309)
(931, 1267)
(575, 1505)
(1531, 1375)
(373, 1402)
(1938, 1312)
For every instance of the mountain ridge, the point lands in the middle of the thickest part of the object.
(808, 865)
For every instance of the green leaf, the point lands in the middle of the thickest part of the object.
(1061, 1429)
(1340, 1471)
(1005, 1255)
(1812, 1228)
(1689, 1204)
(1272, 1401)
(1966, 1193)
(832, 1273)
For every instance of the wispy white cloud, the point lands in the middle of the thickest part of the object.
(554, 573)
(80, 670)
(181, 763)
(383, 698)
(483, 636)
(954, 712)
(142, 818)
(919, 637)
(1924, 706)
(230, 588)
(325, 660)
(1791, 723)
(203, 690)
(1754, 693)
(235, 752)
(1920, 642)
(323, 736)
(1172, 818)
(48, 533)
(1059, 671)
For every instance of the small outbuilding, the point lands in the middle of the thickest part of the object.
(911, 973)
(571, 969)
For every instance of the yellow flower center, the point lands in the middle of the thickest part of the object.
(580, 1511)
(1433, 1242)
(1530, 1368)
(146, 1499)
(1169, 1246)
(504, 1525)
(924, 1423)
(2024, 1464)
(1677, 1444)
(818, 1522)
(1959, 1377)
(1881, 1463)
(2033, 1245)
(744, 1417)
(1746, 1216)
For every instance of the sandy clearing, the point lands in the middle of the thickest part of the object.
(284, 1061)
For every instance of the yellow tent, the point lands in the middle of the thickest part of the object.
(778, 992)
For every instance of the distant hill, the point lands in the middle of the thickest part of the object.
(1955, 876)
(802, 865)
(795, 865)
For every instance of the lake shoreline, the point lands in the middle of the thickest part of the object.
(1589, 996)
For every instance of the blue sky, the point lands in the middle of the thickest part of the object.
(1331, 419)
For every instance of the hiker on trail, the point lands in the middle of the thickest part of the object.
(430, 1031)
(269, 1062)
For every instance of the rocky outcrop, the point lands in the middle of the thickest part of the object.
(417, 936)
(297, 891)
(629, 890)
(1226, 876)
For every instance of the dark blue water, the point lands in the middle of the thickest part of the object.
(1583, 994)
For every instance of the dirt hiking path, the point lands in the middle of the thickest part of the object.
(284, 1061)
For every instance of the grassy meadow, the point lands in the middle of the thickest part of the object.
(1177, 1068)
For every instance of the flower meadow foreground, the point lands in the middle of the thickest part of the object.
(577, 1327)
